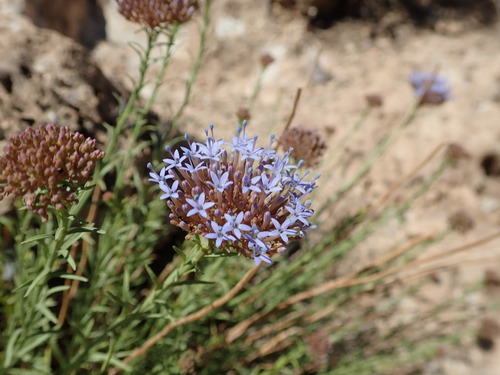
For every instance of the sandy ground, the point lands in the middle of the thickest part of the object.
(335, 69)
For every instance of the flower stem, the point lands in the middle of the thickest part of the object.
(196, 67)
(152, 35)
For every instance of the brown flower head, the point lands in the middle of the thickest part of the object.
(374, 100)
(307, 144)
(456, 152)
(266, 59)
(243, 113)
(46, 166)
(461, 221)
(154, 13)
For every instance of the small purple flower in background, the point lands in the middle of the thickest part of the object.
(430, 87)
(243, 197)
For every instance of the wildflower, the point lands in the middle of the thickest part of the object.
(244, 198)
(430, 87)
(307, 144)
(155, 13)
(219, 233)
(199, 205)
(47, 166)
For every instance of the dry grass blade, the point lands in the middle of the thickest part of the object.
(406, 178)
(341, 282)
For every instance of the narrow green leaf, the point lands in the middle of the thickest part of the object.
(71, 262)
(74, 277)
(86, 230)
(38, 237)
(192, 282)
(57, 289)
(35, 282)
(71, 239)
(39, 340)
(46, 312)
(9, 349)
(180, 252)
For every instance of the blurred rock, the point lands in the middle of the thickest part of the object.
(488, 333)
(45, 77)
(81, 20)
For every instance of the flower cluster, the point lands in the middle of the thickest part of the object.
(154, 13)
(307, 144)
(245, 198)
(46, 166)
(430, 87)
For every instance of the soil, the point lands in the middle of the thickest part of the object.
(336, 68)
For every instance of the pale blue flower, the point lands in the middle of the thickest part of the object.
(176, 160)
(234, 223)
(220, 183)
(159, 178)
(219, 234)
(199, 205)
(170, 192)
(283, 230)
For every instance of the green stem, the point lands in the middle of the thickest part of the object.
(152, 35)
(196, 67)
(192, 259)
(256, 90)
(140, 121)
(164, 64)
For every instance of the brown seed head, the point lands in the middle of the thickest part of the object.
(243, 113)
(154, 13)
(46, 166)
(266, 59)
(374, 100)
(456, 152)
(461, 221)
(307, 144)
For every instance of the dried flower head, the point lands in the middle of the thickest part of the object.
(47, 166)
(243, 113)
(374, 100)
(266, 59)
(461, 221)
(430, 87)
(456, 152)
(488, 333)
(244, 198)
(308, 145)
(154, 13)
(492, 278)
